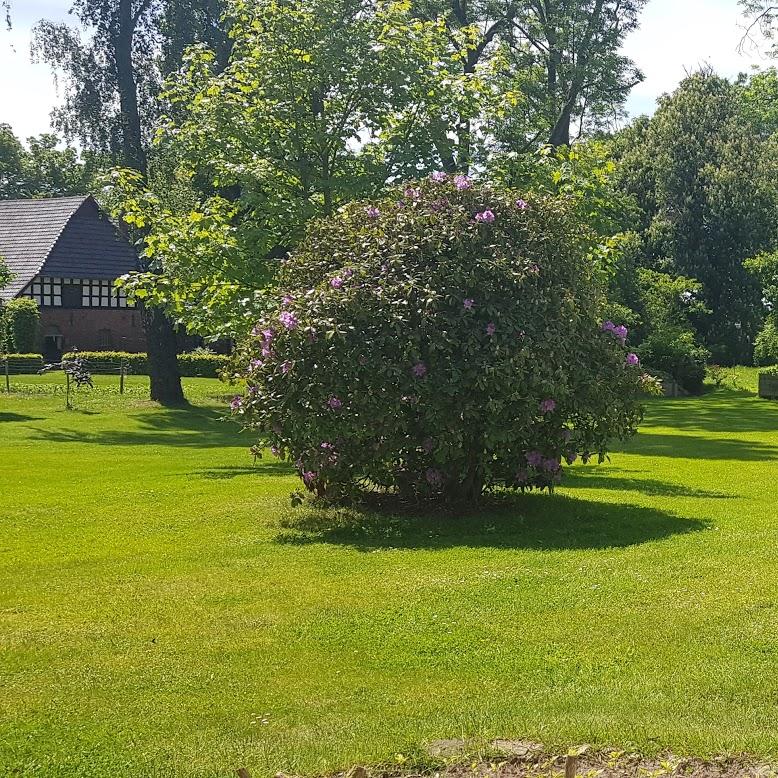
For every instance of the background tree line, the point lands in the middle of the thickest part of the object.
(230, 124)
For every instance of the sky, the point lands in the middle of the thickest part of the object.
(675, 37)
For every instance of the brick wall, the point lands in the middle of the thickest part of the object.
(88, 329)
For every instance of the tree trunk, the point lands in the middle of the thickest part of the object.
(163, 364)
(160, 335)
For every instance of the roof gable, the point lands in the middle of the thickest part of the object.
(64, 236)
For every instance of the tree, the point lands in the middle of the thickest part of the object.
(111, 105)
(43, 169)
(546, 67)
(303, 118)
(707, 184)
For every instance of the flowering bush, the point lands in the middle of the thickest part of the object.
(443, 341)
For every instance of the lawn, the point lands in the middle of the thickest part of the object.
(163, 611)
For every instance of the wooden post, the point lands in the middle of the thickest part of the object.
(7, 376)
(67, 390)
(121, 377)
(243, 773)
(571, 766)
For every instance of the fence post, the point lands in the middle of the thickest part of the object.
(121, 377)
(7, 376)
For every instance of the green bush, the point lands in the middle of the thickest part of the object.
(21, 363)
(21, 325)
(675, 352)
(766, 344)
(191, 365)
(444, 341)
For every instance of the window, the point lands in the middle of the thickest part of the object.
(105, 339)
(71, 295)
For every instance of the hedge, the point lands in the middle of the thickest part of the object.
(190, 365)
(21, 363)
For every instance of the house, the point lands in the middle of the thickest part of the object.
(66, 254)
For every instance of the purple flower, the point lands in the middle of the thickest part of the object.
(491, 328)
(372, 212)
(469, 304)
(266, 352)
(256, 329)
(288, 320)
(552, 465)
(434, 477)
(336, 282)
(334, 403)
(286, 367)
(309, 478)
(522, 205)
(255, 364)
(348, 272)
(608, 326)
(287, 299)
(412, 194)
(633, 359)
(548, 406)
(327, 446)
(571, 458)
(419, 370)
(439, 177)
(534, 458)
(621, 333)
(237, 403)
(486, 217)
(462, 182)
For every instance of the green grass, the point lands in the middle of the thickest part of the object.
(162, 612)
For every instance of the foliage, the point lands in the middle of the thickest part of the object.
(192, 364)
(766, 344)
(20, 363)
(674, 351)
(21, 325)
(538, 72)
(441, 341)
(5, 276)
(708, 185)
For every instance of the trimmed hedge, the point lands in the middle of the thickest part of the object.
(190, 365)
(21, 363)
(21, 325)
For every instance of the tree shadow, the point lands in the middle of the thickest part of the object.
(537, 522)
(722, 410)
(17, 417)
(652, 444)
(190, 427)
(262, 468)
(593, 478)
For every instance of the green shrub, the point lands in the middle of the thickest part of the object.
(766, 343)
(440, 345)
(21, 325)
(675, 352)
(203, 365)
(191, 365)
(21, 363)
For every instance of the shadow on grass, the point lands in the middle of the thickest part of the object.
(722, 410)
(262, 468)
(540, 522)
(16, 417)
(651, 444)
(178, 427)
(619, 480)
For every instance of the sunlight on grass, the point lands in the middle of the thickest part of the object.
(163, 611)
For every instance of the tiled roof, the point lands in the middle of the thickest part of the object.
(64, 236)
